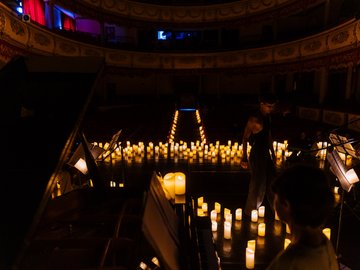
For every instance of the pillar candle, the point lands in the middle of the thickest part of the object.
(169, 183)
(218, 207)
(200, 201)
(228, 217)
(286, 243)
(226, 211)
(327, 232)
(214, 226)
(336, 190)
(204, 207)
(213, 215)
(254, 215)
(238, 214)
(251, 244)
(250, 259)
(227, 230)
(180, 183)
(262, 211)
(200, 212)
(261, 229)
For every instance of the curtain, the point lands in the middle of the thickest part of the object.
(69, 23)
(35, 8)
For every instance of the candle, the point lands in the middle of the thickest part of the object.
(261, 229)
(251, 244)
(169, 183)
(250, 259)
(238, 214)
(262, 211)
(200, 201)
(227, 230)
(286, 243)
(228, 217)
(336, 190)
(276, 216)
(213, 215)
(214, 226)
(200, 212)
(327, 232)
(254, 215)
(226, 211)
(204, 207)
(288, 229)
(180, 183)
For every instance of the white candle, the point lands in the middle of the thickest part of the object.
(336, 190)
(214, 226)
(200, 201)
(204, 207)
(228, 217)
(226, 211)
(218, 207)
(254, 215)
(262, 211)
(227, 230)
(327, 232)
(250, 259)
(213, 215)
(238, 214)
(261, 229)
(180, 183)
(251, 244)
(169, 183)
(286, 243)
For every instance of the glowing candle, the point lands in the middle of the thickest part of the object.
(227, 230)
(250, 259)
(254, 215)
(276, 216)
(214, 226)
(238, 214)
(169, 183)
(200, 212)
(200, 201)
(217, 207)
(327, 232)
(286, 243)
(288, 229)
(226, 211)
(180, 183)
(251, 244)
(261, 229)
(262, 211)
(228, 217)
(204, 207)
(336, 190)
(213, 215)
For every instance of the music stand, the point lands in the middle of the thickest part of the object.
(112, 143)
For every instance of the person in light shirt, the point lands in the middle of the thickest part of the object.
(304, 200)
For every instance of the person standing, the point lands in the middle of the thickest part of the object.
(262, 157)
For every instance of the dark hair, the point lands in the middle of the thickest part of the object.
(267, 98)
(308, 192)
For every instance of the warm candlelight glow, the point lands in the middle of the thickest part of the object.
(204, 207)
(169, 183)
(250, 259)
(238, 214)
(228, 217)
(261, 229)
(214, 226)
(180, 183)
(200, 212)
(213, 215)
(226, 211)
(262, 211)
(288, 229)
(227, 230)
(251, 244)
(286, 243)
(336, 190)
(200, 201)
(254, 215)
(276, 216)
(327, 232)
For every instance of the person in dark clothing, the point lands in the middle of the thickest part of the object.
(262, 157)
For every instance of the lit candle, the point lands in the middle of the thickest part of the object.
(228, 217)
(327, 232)
(200, 212)
(214, 226)
(200, 201)
(276, 216)
(218, 207)
(204, 207)
(262, 211)
(261, 229)
(180, 183)
(169, 183)
(238, 214)
(288, 229)
(227, 230)
(213, 215)
(250, 259)
(336, 190)
(226, 211)
(254, 215)
(251, 244)
(286, 243)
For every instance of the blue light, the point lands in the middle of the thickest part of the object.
(20, 10)
(187, 109)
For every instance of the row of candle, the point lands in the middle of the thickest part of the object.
(174, 183)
